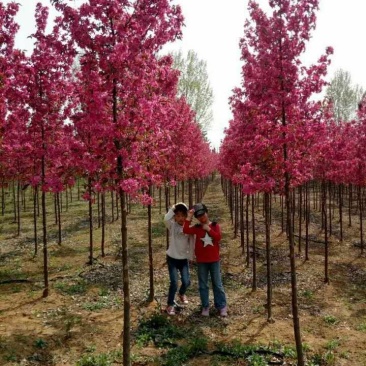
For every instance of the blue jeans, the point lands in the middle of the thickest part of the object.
(175, 266)
(218, 289)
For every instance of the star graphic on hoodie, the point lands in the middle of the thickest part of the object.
(207, 240)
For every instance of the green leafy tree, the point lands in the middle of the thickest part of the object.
(344, 95)
(194, 85)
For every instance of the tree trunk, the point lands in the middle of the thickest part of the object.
(102, 244)
(340, 199)
(268, 256)
(18, 208)
(35, 193)
(151, 259)
(126, 284)
(254, 283)
(361, 217)
(91, 243)
(326, 251)
(59, 217)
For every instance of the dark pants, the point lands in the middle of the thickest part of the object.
(175, 266)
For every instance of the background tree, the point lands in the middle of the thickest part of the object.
(194, 85)
(344, 95)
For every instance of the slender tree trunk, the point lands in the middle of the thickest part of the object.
(340, 199)
(361, 217)
(242, 233)
(290, 229)
(44, 222)
(300, 217)
(166, 210)
(326, 250)
(18, 208)
(330, 208)
(236, 221)
(14, 204)
(102, 244)
(268, 256)
(151, 259)
(91, 225)
(254, 283)
(350, 205)
(35, 193)
(247, 229)
(98, 209)
(126, 284)
(282, 214)
(307, 221)
(59, 217)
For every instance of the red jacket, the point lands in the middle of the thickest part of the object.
(207, 247)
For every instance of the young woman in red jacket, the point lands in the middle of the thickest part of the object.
(207, 251)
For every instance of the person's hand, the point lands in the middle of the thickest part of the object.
(173, 207)
(206, 227)
(190, 214)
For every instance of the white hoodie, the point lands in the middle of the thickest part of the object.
(181, 246)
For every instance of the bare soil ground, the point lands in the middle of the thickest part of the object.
(80, 322)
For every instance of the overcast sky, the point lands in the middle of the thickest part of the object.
(213, 29)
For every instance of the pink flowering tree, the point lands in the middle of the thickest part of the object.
(49, 95)
(275, 98)
(120, 41)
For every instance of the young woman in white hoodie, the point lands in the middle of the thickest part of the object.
(179, 253)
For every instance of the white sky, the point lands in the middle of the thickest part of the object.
(213, 29)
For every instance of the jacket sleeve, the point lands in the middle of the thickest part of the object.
(187, 229)
(215, 232)
(168, 218)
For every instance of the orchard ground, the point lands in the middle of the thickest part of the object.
(81, 320)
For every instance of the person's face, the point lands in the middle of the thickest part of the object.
(179, 218)
(203, 219)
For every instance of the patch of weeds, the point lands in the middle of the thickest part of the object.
(70, 322)
(330, 319)
(307, 294)
(158, 229)
(40, 343)
(306, 347)
(361, 327)
(102, 302)
(259, 309)
(256, 360)
(329, 358)
(178, 356)
(71, 289)
(255, 355)
(11, 274)
(332, 344)
(103, 291)
(64, 267)
(101, 359)
(289, 351)
(158, 329)
(11, 357)
(344, 355)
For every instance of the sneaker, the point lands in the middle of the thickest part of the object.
(223, 311)
(170, 310)
(183, 299)
(205, 312)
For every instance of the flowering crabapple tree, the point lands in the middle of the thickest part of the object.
(124, 38)
(50, 65)
(275, 95)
